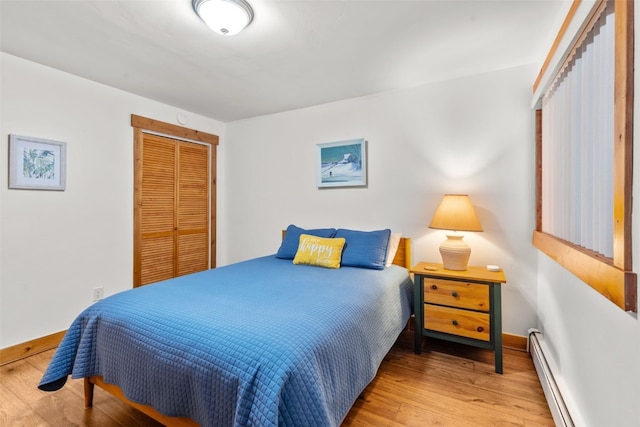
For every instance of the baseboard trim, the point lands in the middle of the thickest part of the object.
(29, 348)
(38, 345)
(514, 342)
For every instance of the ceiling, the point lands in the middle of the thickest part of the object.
(295, 53)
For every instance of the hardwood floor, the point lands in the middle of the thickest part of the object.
(447, 385)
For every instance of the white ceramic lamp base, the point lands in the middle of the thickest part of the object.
(455, 253)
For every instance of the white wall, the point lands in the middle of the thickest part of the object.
(473, 135)
(594, 347)
(55, 247)
(470, 135)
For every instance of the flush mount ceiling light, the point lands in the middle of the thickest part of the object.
(226, 17)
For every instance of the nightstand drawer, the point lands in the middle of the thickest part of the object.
(457, 322)
(456, 294)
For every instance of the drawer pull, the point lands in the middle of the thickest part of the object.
(454, 294)
(434, 287)
(455, 322)
(480, 329)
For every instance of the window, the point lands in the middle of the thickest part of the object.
(584, 152)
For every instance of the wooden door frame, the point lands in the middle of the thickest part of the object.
(140, 126)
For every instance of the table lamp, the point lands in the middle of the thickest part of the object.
(455, 213)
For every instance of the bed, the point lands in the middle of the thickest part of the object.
(265, 342)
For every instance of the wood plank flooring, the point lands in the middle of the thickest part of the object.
(447, 385)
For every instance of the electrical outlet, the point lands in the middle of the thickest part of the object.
(98, 293)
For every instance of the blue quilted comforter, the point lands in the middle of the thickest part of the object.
(258, 343)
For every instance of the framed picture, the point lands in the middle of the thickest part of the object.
(342, 164)
(37, 164)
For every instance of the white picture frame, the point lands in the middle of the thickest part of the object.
(37, 164)
(342, 164)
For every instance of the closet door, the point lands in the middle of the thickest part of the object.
(192, 208)
(174, 201)
(158, 219)
(174, 229)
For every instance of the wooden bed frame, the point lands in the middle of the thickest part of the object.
(403, 254)
(402, 258)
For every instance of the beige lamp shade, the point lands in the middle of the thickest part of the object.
(455, 213)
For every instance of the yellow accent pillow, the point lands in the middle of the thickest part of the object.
(319, 251)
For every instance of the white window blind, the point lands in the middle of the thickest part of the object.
(578, 143)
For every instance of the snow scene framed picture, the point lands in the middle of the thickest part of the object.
(36, 164)
(342, 164)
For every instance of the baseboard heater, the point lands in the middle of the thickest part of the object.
(558, 408)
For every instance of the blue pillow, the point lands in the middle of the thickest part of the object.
(367, 249)
(289, 245)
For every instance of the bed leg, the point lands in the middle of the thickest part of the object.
(88, 393)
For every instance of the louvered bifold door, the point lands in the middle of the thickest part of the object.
(158, 222)
(193, 208)
(174, 223)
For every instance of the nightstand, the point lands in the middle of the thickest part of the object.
(459, 306)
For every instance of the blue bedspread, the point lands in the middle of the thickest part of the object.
(258, 343)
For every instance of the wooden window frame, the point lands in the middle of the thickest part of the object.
(140, 125)
(613, 278)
